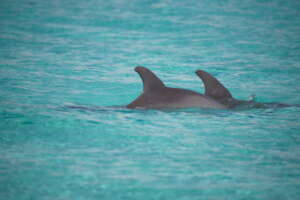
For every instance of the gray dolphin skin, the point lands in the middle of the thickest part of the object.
(158, 96)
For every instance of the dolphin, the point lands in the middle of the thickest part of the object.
(158, 96)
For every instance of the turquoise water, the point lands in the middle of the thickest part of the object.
(54, 54)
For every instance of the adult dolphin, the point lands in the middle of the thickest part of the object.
(158, 96)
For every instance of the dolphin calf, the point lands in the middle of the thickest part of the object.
(158, 96)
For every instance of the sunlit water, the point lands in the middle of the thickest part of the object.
(66, 71)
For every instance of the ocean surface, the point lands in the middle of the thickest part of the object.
(67, 71)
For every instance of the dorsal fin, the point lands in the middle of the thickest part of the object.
(213, 87)
(150, 80)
